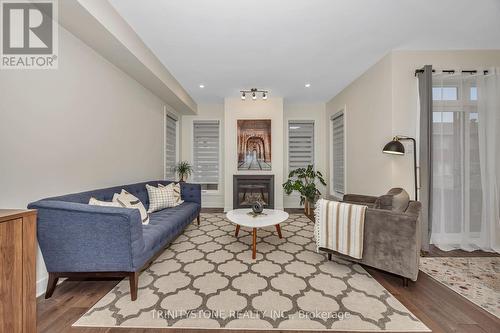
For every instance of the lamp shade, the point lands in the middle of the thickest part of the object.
(394, 147)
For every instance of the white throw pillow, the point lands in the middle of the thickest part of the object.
(160, 198)
(177, 192)
(128, 200)
(94, 202)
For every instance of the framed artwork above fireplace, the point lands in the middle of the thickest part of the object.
(254, 144)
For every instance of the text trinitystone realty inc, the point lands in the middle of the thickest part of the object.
(231, 314)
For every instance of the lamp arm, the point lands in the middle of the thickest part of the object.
(406, 138)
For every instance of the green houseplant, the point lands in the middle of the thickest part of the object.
(184, 170)
(303, 181)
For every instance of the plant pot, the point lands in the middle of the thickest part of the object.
(307, 208)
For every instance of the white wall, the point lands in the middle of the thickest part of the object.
(316, 113)
(234, 109)
(205, 112)
(367, 105)
(83, 126)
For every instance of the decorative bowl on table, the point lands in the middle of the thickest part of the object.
(257, 207)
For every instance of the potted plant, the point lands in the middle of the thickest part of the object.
(184, 170)
(303, 181)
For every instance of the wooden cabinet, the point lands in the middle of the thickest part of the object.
(17, 271)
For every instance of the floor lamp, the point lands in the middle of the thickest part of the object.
(395, 147)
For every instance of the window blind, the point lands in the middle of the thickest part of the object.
(300, 144)
(170, 146)
(206, 152)
(338, 180)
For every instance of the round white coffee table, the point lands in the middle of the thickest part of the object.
(244, 218)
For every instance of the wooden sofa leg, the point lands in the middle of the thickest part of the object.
(198, 219)
(134, 283)
(51, 285)
(405, 282)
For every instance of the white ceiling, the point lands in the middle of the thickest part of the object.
(280, 45)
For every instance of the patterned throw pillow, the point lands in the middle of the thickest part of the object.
(177, 192)
(94, 202)
(160, 198)
(127, 200)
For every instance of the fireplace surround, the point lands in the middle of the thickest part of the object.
(250, 188)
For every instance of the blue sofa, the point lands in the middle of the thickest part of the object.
(80, 240)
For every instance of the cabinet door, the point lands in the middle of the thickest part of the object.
(11, 276)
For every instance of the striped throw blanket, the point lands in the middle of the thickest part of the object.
(339, 227)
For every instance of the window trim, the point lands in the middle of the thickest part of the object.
(219, 183)
(332, 191)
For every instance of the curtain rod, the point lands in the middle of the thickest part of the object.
(450, 71)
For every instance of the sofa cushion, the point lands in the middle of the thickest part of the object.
(94, 202)
(396, 199)
(165, 225)
(127, 200)
(160, 197)
(176, 189)
(185, 211)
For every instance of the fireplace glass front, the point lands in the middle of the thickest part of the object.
(248, 189)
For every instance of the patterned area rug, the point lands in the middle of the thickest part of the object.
(207, 279)
(475, 278)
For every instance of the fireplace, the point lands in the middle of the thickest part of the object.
(250, 188)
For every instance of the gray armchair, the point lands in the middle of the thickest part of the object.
(392, 233)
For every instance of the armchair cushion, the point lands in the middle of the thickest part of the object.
(397, 200)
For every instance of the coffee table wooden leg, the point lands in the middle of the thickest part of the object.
(254, 247)
(278, 229)
(237, 230)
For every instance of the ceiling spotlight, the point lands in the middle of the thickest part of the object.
(254, 96)
(202, 86)
(307, 85)
(243, 97)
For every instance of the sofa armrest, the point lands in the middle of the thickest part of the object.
(191, 192)
(78, 237)
(414, 208)
(392, 242)
(359, 198)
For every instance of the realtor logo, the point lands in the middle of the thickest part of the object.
(29, 34)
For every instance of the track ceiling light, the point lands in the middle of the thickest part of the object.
(253, 93)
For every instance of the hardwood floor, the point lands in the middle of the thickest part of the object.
(441, 309)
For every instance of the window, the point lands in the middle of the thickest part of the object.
(473, 93)
(170, 146)
(456, 171)
(206, 154)
(444, 93)
(300, 144)
(338, 139)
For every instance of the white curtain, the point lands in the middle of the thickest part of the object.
(488, 87)
(466, 161)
